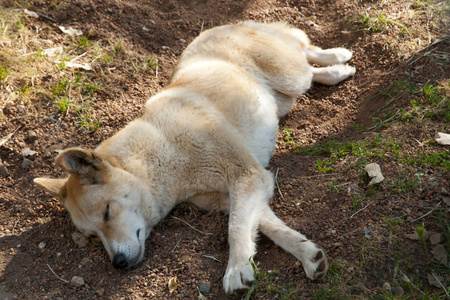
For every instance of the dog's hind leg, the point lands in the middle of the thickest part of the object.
(327, 57)
(248, 196)
(332, 75)
(313, 258)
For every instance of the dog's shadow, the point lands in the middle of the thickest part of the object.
(44, 259)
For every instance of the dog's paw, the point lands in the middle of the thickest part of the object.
(341, 55)
(314, 261)
(238, 278)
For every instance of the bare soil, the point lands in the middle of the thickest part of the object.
(37, 254)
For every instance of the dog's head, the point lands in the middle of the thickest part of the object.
(103, 200)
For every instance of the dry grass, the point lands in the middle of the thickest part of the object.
(42, 66)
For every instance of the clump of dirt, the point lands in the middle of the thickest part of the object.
(322, 148)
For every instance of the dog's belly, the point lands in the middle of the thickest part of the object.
(261, 126)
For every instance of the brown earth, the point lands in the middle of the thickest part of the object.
(304, 200)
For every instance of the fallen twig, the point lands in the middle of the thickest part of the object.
(276, 181)
(7, 137)
(434, 208)
(177, 244)
(206, 233)
(361, 209)
(63, 280)
(212, 257)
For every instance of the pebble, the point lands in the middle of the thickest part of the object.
(204, 288)
(397, 291)
(80, 239)
(76, 281)
(9, 104)
(182, 40)
(31, 136)
(42, 245)
(436, 238)
(26, 163)
(386, 286)
(3, 170)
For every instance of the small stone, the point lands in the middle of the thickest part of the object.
(42, 245)
(183, 40)
(80, 239)
(436, 238)
(397, 291)
(26, 163)
(21, 109)
(100, 292)
(76, 281)
(386, 286)
(31, 136)
(9, 104)
(3, 170)
(204, 288)
(28, 152)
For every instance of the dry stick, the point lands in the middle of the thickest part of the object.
(409, 281)
(6, 138)
(46, 17)
(206, 233)
(361, 209)
(212, 257)
(440, 283)
(320, 175)
(278, 187)
(434, 208)
(177, 244)
(56, 274)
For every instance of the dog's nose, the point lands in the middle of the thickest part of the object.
(119, 261)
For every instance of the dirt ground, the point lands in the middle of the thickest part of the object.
(38, 256)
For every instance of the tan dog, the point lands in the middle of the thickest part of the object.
(205, 139)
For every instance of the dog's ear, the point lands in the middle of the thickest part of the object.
(56, 187)
(87, 165)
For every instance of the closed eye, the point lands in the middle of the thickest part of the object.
(106, 215)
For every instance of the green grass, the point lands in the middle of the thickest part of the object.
(89, 122)
(84, 42)
(377, 22)
(4, 72)
(60, 87)
(63, 104)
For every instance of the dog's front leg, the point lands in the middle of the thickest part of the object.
(312, 257)
(248, 198)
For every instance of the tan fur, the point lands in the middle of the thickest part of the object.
(205, 139)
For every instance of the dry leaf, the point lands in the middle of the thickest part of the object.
(84, 66)
(435, 280)
(53, 51)
(440, 254)
(444, 138)
(374, 172)
(172, 284)
(6, 138)
(31, 13)
(70, 31)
